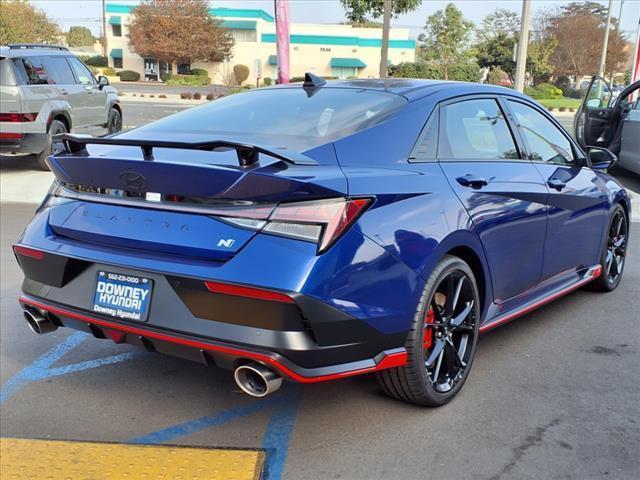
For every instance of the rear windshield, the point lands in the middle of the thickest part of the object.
(286, 117)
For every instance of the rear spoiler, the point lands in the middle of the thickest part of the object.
(247, 153)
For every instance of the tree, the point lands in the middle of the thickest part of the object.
(446, 38)
(500, 22)
(21, 22)
(579, 42)
(358, 11)
(241, 73)
(178, 31)
(79, 37)
(588, 9)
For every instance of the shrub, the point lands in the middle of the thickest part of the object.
(241, 72)
(466, 72)
(197, 96)
(128, 76)
(496, 76)
(109, 71)
(573, 93)
(199, 71)
(189, 80)
(544, 91)
(562, 82)
(164, 76)
(94, 61)
(211, 96)
(185, 96)
(266, 81)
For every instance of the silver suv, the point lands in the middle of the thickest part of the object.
(46, 90)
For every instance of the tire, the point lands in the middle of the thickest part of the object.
(55, 128)
(114, 121)
(433, 327)
(614, 250)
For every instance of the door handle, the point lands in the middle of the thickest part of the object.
(89, 89)
(473, 181)
(556, 184)
(64, 92)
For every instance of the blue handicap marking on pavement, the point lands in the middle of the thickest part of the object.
(42, 367)
(276, 438)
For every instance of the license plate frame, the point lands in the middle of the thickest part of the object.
(122, 296)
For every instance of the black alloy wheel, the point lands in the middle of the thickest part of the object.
(614, 252)
(442, 341)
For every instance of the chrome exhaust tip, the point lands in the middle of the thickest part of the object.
(37, 322)
(257, 380)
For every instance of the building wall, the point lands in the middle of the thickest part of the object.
(313, 46)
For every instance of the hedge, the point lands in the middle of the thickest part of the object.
(544, 91)
(94, 61)
(190, 80)
(465, 72)
(128, 76)
(199, 71)
(109, 71)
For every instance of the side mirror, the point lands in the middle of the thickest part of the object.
(601, 158)
(103, 81)
(593, 103)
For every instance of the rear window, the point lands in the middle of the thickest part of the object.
(286, 117)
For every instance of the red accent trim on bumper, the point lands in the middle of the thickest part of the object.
(597, 271)
(28, 252)
(392, 360)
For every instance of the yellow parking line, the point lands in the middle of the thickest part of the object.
(22, 459)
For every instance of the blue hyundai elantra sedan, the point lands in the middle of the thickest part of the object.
(320, 230)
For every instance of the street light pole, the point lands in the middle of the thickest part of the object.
(605, 42)
(386, 25)
(523, 43)
(104, 28)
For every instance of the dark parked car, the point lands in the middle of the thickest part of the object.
(321, 230)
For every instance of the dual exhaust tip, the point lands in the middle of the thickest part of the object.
(252, 378)
(37, 322)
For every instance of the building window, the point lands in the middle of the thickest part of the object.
(116, 30)
(244, 35)
(183, 68)
(344, 72)
(117, 63)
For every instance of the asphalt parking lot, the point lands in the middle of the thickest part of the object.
(553, 395)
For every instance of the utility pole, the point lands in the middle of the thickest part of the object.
(386, 25)
(523, 43)
(104, 28)
(605, 42)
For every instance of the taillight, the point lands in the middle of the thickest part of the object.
(18, 117)
(10, 136)
(28, 252)
(248, 292)
(319, 221)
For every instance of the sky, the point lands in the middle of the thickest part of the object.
(88, 12)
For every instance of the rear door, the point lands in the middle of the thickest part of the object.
(592, 123)
(578, 204)
(502, 191)
(94, 100)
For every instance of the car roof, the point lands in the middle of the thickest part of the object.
(412, 88)
(32, 50)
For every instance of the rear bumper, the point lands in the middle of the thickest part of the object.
(207, 351)
(27, 144)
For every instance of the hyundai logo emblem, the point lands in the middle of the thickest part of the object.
(133, 180)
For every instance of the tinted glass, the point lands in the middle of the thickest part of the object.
(58, 71)
(599, 95)
(428, 143)
(285, 116)
(545, 141)
(475, 129)
(33, 71)
(6, 76)
(83, 74)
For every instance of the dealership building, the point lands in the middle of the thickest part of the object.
(334, 50)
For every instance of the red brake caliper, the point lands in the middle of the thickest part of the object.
(429, 319)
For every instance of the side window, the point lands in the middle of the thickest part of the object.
(599, 95)
(545, 141)
(83, 74)
(34, 70)
(116, 30)
(475, 129)
(425, 149)
(58, 71)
